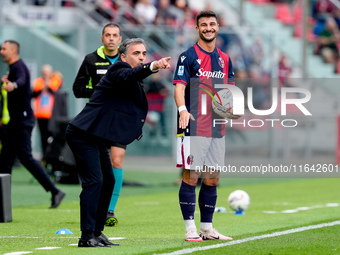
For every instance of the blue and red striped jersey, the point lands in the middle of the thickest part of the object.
(200, 71)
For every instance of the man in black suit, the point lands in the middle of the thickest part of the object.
(115, 114)
(18, 131)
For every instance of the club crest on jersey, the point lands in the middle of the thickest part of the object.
(183, 58)
(190, 159)
(198, 61)
(221, 62)
(180, 71)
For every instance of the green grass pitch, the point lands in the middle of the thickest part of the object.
(150, 220)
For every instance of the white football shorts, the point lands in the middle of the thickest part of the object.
(194, 152)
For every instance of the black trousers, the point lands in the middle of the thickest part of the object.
(44, 133)
(97, 179)
(17, 142)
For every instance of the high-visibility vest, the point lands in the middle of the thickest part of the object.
(44, 102)
(5, 113)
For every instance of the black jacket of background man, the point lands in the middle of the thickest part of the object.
(19, 100)
(92, 69)
(118, 107)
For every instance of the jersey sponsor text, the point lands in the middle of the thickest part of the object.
(209, 74)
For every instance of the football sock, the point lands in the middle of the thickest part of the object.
(207, 201)
(189, 224)
(118, 173)
(206, 225)
(187, 200)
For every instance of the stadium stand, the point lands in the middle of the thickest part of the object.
(287, 18)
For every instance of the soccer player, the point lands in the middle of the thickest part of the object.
(91, 71)
(201, 145)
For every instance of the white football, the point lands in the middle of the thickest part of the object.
(223, 103)
(239, 200)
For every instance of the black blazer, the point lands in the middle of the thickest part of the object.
(117, 109)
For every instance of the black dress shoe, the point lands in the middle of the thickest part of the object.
(56, 199)
(104, 240)
(91, 243)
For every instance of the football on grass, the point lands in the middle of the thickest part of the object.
(239, 200)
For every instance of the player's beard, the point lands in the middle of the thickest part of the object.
(206, 39)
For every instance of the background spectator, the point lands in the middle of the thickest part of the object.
(178, 11)
(163, 12)
(284, 72)
(156, 93)
(145, 11)
(323, 9)
(44, 88)
(326, 44)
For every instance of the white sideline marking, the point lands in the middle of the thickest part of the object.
(18, 253)
(116, 238)
(280, 233)
(332, 204)
(304, 208)
(47, 248)
(290, 211)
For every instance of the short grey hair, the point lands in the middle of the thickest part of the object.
(125, 45)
